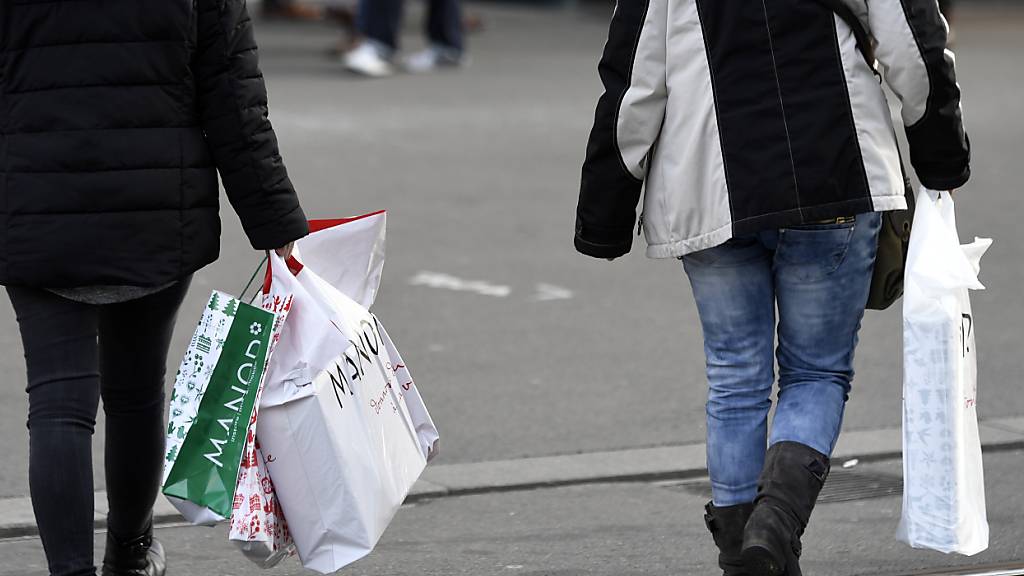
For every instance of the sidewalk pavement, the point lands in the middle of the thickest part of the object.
(606, 529)
(641, 464)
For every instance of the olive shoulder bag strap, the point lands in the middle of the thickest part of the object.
(894, 237)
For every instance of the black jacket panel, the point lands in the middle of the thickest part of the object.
(609, 193)
(110, 148)
(233, 108)
(939, 148)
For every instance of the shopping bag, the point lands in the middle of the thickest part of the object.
(348, 254)
(944, 490)
(258, 526)
(342, 425)
(215, 393)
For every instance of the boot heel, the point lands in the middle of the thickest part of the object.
(760, 561)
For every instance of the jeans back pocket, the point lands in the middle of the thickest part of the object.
(812, 252)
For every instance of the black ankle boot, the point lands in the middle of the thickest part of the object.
(726, 527)
(140, 556)
(786, 492)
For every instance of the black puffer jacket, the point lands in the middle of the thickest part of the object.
(115, 116)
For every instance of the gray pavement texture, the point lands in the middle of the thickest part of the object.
(626, 529)
(638, 464)
(479, 171)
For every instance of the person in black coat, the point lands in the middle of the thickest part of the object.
(115, 118)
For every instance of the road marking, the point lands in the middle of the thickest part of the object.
(543, 291)
(448, 282)
(1018, 572)
(990, 570)
(549, 292)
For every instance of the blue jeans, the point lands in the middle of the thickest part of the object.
(381, 20)
(818, 276)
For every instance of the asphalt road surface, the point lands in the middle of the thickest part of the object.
(649, 529)
(538, 350)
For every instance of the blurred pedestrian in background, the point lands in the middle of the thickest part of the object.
(291, 10)
(345, 15)
(763, 143)
(378, 23)
(117, 118)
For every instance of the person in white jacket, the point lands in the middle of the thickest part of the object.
(761, 141)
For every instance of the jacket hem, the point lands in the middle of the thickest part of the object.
(689, 245)
(890, 203)
(721, 235)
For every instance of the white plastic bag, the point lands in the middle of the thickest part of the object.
(348, 254)
(343, 428)
(944, 489)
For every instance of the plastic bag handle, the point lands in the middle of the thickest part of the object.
(292, 263)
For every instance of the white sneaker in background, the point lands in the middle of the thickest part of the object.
(369, 58)
(432, 58)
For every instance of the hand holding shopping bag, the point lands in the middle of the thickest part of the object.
(342, 425)
(944, 491)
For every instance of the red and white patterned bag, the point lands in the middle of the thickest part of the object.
(258, 526)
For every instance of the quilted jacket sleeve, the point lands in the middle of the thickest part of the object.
(232, 100)
(626, 125)
(911, 47)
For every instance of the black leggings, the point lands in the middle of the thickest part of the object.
(76, 353)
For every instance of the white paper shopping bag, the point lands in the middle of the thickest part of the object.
(944, 490)
(342, 426)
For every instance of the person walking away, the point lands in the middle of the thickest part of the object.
(379, 23)
(345, 13)
(114, 120)
(292, 10)
(764, 146)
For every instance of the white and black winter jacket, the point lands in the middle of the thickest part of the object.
(737, 116)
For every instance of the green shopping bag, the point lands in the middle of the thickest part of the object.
(215, 395)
